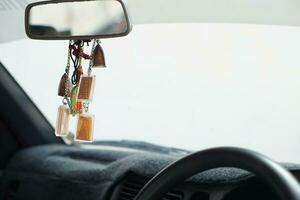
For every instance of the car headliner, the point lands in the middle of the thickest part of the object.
(272, 12)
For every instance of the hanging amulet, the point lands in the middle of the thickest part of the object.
(64, 87)
(85, 127)
(98, 57)
(62, 121)
(86, 88)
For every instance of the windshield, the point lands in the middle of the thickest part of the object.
(191, 86)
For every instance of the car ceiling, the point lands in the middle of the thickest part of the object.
(273, 12)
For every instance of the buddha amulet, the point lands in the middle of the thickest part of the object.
(62, 121)
(64, 87)
(98, 57)
(85, 127)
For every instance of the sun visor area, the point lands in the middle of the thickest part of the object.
(12, 19)
(270, 12)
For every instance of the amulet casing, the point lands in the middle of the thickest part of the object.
(64, 87)
(98, 57)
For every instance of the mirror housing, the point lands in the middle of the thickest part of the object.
(103, 19)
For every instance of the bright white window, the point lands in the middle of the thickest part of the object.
(191, 86)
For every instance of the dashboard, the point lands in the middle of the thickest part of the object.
(107, 172)
(246, 190)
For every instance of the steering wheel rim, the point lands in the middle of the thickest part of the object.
(279, 179)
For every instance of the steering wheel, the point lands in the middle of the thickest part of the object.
(278, 178)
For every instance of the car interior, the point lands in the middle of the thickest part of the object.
(41, 160)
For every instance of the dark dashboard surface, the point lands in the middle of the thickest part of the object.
(113, 172)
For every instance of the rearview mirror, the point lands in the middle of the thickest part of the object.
(77, 19)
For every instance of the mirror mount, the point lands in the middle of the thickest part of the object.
(38, 31)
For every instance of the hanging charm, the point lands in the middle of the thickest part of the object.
(86, 88)
(85, 127)
(64, 87)
(98, 56)
(62, 121)
(63, 113)
(77, 91)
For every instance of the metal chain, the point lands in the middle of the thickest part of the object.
(86, 105)
(69, 58)
(67, 73)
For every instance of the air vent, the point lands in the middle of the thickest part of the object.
(132, 184)
(11, 190)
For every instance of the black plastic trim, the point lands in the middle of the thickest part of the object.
(29, 126)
